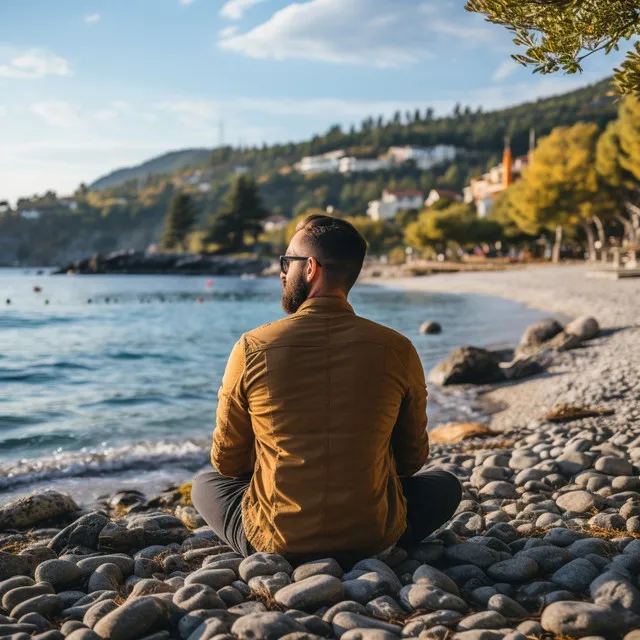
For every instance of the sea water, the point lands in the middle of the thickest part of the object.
(111, 381)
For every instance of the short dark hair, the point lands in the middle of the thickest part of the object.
(337, 245)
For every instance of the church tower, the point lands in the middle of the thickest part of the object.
(507, 165)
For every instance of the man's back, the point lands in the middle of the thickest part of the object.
(334, 407)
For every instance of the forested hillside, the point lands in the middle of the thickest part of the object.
(126, 208)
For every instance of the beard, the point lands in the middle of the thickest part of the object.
(295, 292)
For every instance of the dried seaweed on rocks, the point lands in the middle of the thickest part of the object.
(567, 413)
(459, 431)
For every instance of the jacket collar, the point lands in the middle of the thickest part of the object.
(326, 303)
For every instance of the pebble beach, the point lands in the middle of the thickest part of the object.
(545, 544)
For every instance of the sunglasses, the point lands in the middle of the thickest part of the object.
(285, 260)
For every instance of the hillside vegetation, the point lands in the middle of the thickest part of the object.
(126, 208)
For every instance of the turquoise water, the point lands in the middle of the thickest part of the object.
(116, 377)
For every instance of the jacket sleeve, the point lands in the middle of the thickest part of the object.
(233, 451)
(409, 440)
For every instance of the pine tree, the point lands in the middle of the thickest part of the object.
(179, 221)
(240, 218)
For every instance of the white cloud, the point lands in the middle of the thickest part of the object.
(234, 9)
(190, 108)
(504, 70)
(380, 33)
(57, 113)
(92, 18)
(31, 64)
(112, 112)
(227, 32)
(186, 2)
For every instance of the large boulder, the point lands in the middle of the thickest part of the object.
(584, 328)
(27, 511)
(540, 332)
(468, 365)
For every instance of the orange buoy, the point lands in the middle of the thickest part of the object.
(37, 289)
(200, 300)
(209, 283)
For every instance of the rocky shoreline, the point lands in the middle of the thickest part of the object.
(130, 262)
(545, 544)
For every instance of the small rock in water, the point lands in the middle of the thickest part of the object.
(430, 328)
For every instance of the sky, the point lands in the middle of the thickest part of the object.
(89, 86)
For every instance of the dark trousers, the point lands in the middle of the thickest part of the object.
(432, 498)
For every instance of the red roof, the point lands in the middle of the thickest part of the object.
(407, 194)
(444, 193)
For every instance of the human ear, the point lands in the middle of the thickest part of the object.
(311, 269)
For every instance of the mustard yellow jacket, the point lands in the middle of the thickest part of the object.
(326, 410)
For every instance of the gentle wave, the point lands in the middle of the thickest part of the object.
(191, 455)
(10, 375)
(28, 322)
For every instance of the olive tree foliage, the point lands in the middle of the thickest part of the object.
(560, 191)
(560, 34)
(618, 164)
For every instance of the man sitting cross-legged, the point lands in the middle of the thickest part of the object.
(321, 422)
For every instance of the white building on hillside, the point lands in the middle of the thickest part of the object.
(425, 158)
(30, 214)
(317, 164)
(275, 223)
(72, 205)
(361, 165)
(394, 201)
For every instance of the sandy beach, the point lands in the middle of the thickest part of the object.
(606, 373)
